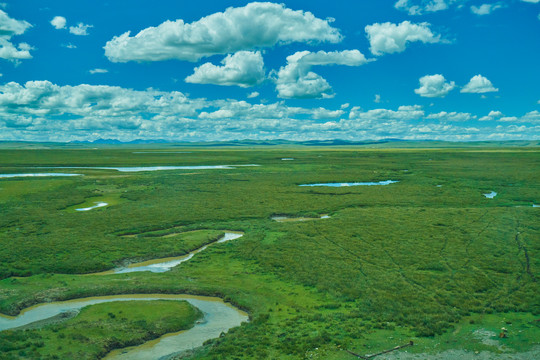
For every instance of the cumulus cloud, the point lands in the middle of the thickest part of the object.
(377, 98)
(451, 116)
(419, 7)
(479, 85)
(322, 113)
(43, 111)
(387, 38)
(493, 115)
(81, 29)
(486, 9)
(434, 86)
(403, 113)
(244, 68)
(8, 28)
(59, 22)
(98, 71)
(532, 1)
(255, 25)
(253, 95)
(296, 80)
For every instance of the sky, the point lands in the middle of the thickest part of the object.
(456, 70)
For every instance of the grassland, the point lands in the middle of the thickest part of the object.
(411, 260)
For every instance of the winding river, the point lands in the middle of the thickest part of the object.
(219, 316)
(166, 264)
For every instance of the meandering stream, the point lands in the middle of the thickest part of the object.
(219, 317)
(166, 264)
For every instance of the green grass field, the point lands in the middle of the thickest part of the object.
(428, 259)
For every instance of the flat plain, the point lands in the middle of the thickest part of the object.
(428, 258)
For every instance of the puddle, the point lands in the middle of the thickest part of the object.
(490, 195)
(98, 205)
(36, 175)
(385, 182)
(287, 159)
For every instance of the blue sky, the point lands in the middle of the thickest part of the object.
(221, 70)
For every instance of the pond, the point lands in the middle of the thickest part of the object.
(344, 184)
(36, 175)
(154, 168)
(98, 205)
(490, 195)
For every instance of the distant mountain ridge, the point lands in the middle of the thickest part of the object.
(161, 143)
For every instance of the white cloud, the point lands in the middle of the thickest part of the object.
(344, 106)
(508, 119)
(531, 117)
(419, 7)
(8, 28)
(492, 116)
(256, 25)
(81, 29)
(495, 113)
(296, 80)
(322, 113)
(253, 95)
(479, 85)
(451, 116)
(244, 68)
(391, 38)
(434, 86)
(486, 9)
(403, 113)
(532, 1)
(70, 46)
(377, 98)
(98, 71)
(59, 22)
(43, 111)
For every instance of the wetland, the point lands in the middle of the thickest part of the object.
(390, 264)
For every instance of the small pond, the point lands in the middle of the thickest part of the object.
(98, 205)
(345, 184)
(490, 195)
(36, 175)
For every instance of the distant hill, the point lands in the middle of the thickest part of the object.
(161, 143)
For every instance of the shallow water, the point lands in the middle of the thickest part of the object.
(490, 195)
(98, 205)
(36, 175)
(293, 219)
(534, 205)
(287, 159)
(166, 264)
(153, 168)
(385, 182)
(218, 317)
